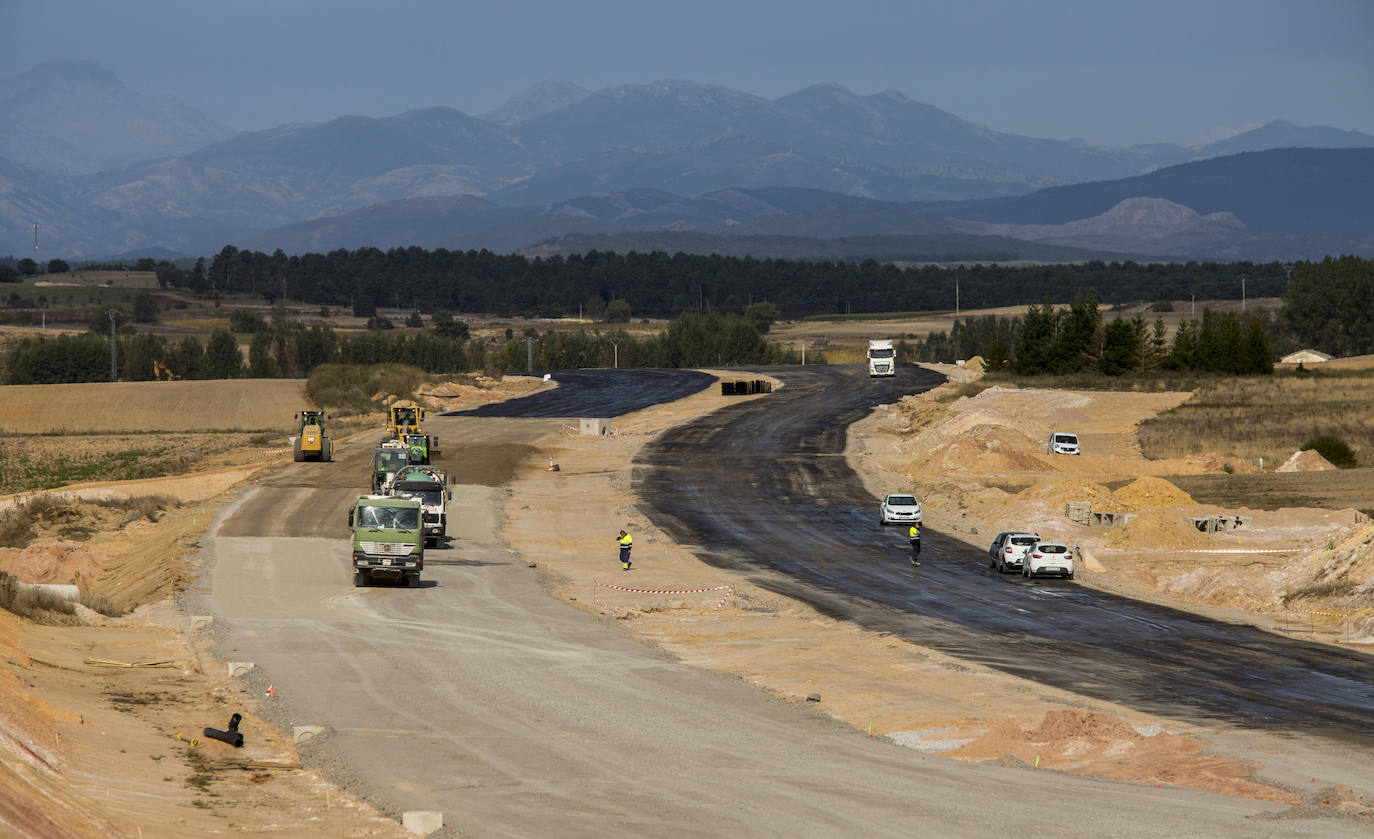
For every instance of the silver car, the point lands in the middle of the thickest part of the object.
(1008, 550)
(900, 509)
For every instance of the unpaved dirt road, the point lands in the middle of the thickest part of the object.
(762, 487)
(518, 715)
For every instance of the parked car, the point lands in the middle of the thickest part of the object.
(1048, 558)
(900, 509)
(1008, 550)
(1062, 442)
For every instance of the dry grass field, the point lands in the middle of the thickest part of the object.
(1268, 417)
(135, 407)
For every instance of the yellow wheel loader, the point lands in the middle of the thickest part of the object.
(312, 443)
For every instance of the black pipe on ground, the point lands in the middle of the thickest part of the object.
(232, 736)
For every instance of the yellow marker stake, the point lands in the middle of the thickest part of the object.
(1037, 761)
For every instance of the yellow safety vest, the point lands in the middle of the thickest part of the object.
(914, 533)
(625, 540)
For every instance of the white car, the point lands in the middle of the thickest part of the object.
(900, 509)
(1061, 442)
(1008, 550)
(1048, 558)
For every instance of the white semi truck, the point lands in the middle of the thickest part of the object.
(882, 358)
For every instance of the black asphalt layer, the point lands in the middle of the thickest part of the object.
(598, 393)
(762, 487)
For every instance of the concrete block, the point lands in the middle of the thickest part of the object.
(595, 427)
(238, 668)
(302, 733)
(201, 621)
(422, 822)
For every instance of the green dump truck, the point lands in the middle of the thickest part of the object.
(388, 540)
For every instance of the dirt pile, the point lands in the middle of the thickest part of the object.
(1056, 492)
(1307, 460)
(1073, 740)
(1337, 798)
(1155, 529)
(1150, 493)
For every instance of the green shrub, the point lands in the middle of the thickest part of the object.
(352, 386)
(1333, 449)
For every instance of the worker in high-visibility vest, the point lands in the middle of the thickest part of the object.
(625, 541)
(914, 537)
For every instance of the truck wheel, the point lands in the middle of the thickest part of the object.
(413, 581)
(296, 449)
(359, 579)
(326, 451)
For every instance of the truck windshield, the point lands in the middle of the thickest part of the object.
(880, 353)
(427, 497)
(389, 518)
(391, 461)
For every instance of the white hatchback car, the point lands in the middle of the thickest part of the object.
(900, 509)
(1048, 558)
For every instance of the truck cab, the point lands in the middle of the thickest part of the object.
(430, 488)
(882, 358)
(389, 459)
(388, 542)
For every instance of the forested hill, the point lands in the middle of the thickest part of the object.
(656, 284)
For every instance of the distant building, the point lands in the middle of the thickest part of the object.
(1305, 357)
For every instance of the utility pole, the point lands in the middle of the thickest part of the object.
(803, 343)
(956, 298)
(615, 352)
(1242, 292)
(114, 368)
(529, 354)
(35, 243)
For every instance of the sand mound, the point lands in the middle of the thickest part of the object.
(53, 561)
(1055, 492)
(1149, 493)
(1089, 741)
(1308, 460)
(1155, 529)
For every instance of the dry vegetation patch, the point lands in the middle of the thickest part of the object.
(1268, 417)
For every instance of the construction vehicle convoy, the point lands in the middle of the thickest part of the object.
(387, 540)
(429, 486)
(312, 443)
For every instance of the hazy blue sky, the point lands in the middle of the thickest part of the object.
(1110, 72)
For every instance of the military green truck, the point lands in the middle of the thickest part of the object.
(390, 458)
(388, 541)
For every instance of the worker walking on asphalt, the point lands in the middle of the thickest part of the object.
(625, 541)
(914, 537)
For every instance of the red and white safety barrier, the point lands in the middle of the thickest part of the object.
(729, 591)
(275, 452)
(1313, 612)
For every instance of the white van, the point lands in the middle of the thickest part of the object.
(1061, 442)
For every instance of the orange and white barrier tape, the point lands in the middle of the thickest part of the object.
(1236, 550)
(729, 591)
(275, 452)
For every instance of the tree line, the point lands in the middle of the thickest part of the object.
(1075, 339)
(657, 284)
(291, 349)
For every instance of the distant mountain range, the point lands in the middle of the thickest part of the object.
(106, 170)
